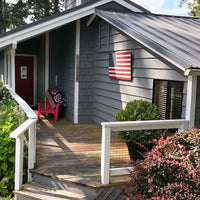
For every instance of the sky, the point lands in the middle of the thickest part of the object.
(170, 7)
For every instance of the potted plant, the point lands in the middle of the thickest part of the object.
(138, 140)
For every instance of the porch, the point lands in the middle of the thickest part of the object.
(72, 152)
(69, 156)
(68, 160)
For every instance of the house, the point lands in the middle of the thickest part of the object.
(102, 54)
(73, 56)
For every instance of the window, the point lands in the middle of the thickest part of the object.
(168, 97)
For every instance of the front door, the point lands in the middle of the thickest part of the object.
(24, 77)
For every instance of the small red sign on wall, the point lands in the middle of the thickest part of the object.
(120, 66)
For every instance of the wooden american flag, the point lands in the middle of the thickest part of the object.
(122, 67)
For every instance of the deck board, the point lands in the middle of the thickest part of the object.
(72, 152)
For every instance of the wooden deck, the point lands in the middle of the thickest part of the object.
(70, 152)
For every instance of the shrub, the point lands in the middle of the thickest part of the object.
(170, 171)
(10, 118)
(138, 110)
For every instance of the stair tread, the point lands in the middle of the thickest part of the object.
(41, 192)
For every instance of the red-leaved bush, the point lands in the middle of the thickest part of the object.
(170, 171)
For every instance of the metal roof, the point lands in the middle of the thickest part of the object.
(175, 38)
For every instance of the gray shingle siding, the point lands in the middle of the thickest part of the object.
(87, 52)
(41, 70)
(62, 54)
(110, 95)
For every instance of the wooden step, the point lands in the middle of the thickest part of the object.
(40, 192)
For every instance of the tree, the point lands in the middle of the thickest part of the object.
(12, 15)
(18, 14)
(194, 7)
(3, 16)
(39, 9)
(15, 15)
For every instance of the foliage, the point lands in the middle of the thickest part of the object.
(138, 110)
(39, 9)
(170, 171)
(13, 15)
(193, 6)
(10, 118)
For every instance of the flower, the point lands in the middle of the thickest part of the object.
(6, 180)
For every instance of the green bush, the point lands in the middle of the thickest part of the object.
(138, 110)
(10, 119)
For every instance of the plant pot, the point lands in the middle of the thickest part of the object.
(136, 151)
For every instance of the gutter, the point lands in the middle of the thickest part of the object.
(192, 72)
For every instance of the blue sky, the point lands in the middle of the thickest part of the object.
(170, 7)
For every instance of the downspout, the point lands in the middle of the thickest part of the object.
(77, 65)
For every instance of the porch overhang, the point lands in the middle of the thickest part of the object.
(37, 28)
(44, 27)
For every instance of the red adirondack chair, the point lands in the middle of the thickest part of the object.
(49, 106)
(48, 109)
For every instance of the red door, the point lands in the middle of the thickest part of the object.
(24, 77)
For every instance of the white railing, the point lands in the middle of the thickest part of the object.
(108, 127)
(18, 134)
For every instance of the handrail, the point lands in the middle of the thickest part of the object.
(26, 108)
(21, 129)
(18, 134)
(108, 127)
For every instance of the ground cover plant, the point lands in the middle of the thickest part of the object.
(170, 171)
(10, 118)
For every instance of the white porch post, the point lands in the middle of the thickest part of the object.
(9, 70)
(31, 150)
(19, 145)
(77, 65)
(105, 155)
(191, 100)
(5, 68)
(47, 61)
(12, 59)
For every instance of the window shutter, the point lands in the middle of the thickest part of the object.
(162, 102)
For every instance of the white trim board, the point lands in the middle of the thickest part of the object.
(76, 82)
